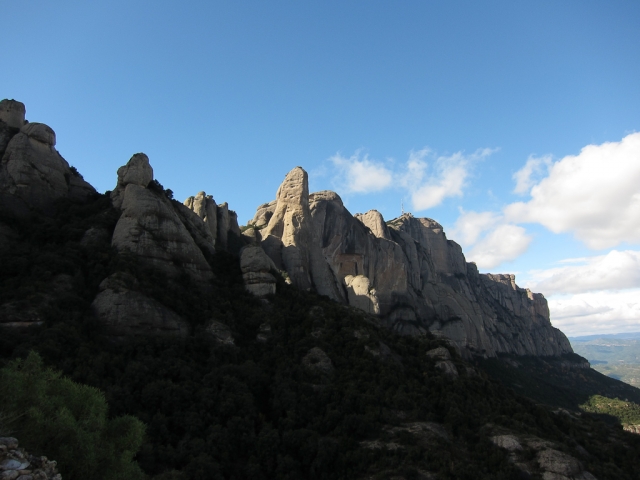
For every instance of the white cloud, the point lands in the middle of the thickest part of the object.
(470, 225)
(614, 271)
(361, 175)
(447, 181)
(507, 242)
(428, 183)
(448, 176)
(596, 312)
(526, 177)
(595, 195)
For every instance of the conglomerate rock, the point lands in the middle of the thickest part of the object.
(406, 271)
(125, 311)
(256, 267)
(167, 236)
(206, 208)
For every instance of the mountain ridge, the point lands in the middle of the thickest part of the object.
(404, 270)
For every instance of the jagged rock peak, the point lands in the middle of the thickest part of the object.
(33, 175)
(375, 222)
(294, 188)
(40, 132)
(205, 207)
(137, 171)
(405, 270)
(12, 113)
(162, 233)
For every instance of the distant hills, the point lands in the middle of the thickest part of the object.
(615, 355)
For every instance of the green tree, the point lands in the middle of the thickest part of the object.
(68, 422)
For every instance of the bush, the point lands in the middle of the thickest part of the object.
(68, 422)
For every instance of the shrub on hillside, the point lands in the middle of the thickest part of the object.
(68, 422)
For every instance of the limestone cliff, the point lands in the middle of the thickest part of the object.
(406, 271)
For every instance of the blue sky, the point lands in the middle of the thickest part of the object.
(446, 106)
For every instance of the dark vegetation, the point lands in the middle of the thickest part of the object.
(69, 421)
(254, 409)
(557, 381)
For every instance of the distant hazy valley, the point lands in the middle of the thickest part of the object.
(617, 356)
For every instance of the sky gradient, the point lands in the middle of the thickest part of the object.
(511, 123)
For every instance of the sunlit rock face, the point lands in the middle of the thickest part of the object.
(33, 175)
(405, 271)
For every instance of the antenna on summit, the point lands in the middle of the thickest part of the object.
(402, 206)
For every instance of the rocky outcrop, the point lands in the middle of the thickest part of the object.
(18, 464)
(291, 239)
(159, 232)
(406, 271)
(137, 171)
(256, 267)
(205, 207)
(373, 221)
(12, 113)
(316, 359)
(33, 175)
(11, 121)
(125, 311)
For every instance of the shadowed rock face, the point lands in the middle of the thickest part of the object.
(405, 270)
(205, 207)
(33, 175)
(256, 267)
(162, 233)
(12, 113)
(125, 311)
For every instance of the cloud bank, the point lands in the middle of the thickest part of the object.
(596, 312)
(595, 195)
(617, 270)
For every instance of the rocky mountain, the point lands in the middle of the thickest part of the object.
(311, 343)
(404, 271)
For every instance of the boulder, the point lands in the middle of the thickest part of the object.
(361, 294)
(508, 442)
(316, 359)
(256, 267)
(12, 113)
(220, 332)
(439, 353)
(374, 221)
(554, 461)
(125, 311)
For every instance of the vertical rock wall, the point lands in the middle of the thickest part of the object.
(406, 271)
